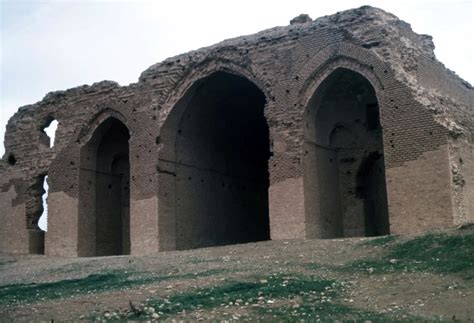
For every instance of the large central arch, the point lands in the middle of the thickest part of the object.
(214, 160)
(344, 173)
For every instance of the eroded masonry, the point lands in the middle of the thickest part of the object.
(339, 127)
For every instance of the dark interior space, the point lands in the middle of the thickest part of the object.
(221, 155)
(344, 164)
(371, 189)
(105, 192)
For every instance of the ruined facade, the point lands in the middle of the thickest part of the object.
(339, 127)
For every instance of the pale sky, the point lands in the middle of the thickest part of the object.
(55, 45)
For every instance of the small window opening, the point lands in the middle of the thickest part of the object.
(43, 220)
(11, 159)
(50, 130)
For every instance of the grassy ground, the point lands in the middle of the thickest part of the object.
(273, 297)
(93, 283)
(426, 277)
(434, 252)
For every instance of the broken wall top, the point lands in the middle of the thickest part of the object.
(410, 56)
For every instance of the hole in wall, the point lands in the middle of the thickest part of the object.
(37, 214)
(49, 129)
(43, 220)
(11, 160)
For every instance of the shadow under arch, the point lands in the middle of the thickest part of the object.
(343, 196)
(213, 165)
(104, 189)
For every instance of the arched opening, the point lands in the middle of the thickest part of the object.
(215, 159)
(104, 192)
(345, 190)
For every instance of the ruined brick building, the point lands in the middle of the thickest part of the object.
(339, 127)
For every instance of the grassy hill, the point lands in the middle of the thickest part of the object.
(424, 277)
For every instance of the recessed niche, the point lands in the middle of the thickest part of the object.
(11, 160)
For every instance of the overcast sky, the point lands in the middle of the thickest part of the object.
(55, 45)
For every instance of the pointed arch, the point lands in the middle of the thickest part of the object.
(104, 194)
(213, 165)
(342, 134)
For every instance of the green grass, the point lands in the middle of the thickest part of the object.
(201, 274)
(316, 298)
(438, 253)
(312, 310)
(94, 283)
(276, 286)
